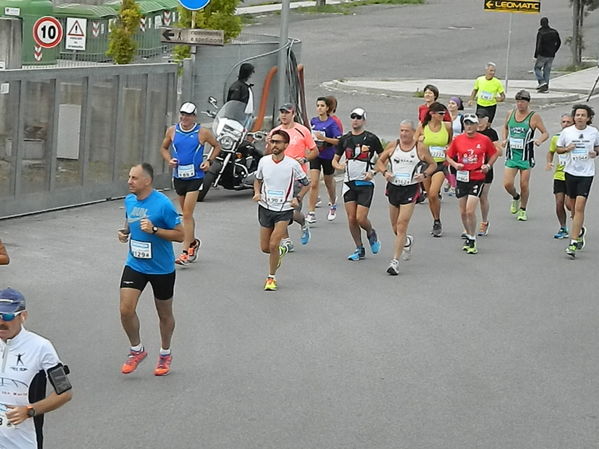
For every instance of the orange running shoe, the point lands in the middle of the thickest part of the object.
(192, 252)
(133, 359)
(163, 367)
(182, 259)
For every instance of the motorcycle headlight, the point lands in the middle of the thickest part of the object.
(227, 142)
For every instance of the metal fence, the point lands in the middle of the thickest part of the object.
(69, 135)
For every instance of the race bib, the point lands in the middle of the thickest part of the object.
(562, 159)
(315, 135)
(186, 171)
(437, 152)
(275, 196)
(141, 250)
(4, 422)
(516, 143)
(484, 95)
(463, 175)
(580, 153)
(402, 179)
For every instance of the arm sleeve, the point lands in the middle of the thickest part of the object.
(259, 174)
(49, 357)
(378, 147)
(340, 146)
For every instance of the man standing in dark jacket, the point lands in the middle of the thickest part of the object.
(241, 90)
(548, 43)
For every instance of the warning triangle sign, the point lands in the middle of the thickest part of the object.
(76, 30)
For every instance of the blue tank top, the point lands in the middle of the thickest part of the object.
(189, 152)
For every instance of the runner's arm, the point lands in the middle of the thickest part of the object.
(504, 130)
(207, 136)
(4, 259)
(257, 189)
(165, 147)
(425, 156)
(336, 164)
(472, 98)
(537, 122)
(17, 415)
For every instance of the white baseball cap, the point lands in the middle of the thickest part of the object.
(188, 108)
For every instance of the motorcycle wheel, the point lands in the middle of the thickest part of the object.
(208, 180)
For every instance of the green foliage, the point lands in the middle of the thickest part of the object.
(121, 46)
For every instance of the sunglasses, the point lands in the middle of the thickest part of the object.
(438, 112)
(356, 117)
(10, 316)
(277, 141)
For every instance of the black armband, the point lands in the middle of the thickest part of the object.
(57, 376)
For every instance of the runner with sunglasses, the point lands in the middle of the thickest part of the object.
(359, 147)
(28, 362)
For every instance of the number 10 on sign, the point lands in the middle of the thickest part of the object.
(47, 32)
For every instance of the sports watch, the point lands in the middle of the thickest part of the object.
(154, 229)
(30, 411)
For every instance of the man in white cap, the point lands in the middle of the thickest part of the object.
(183, 150)
(359, 147)
(28, 360)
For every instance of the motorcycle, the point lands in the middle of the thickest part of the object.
(236, 165)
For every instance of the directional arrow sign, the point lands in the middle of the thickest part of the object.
(192, 36)
(522, 6)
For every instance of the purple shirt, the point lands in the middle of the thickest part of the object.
(330, 129)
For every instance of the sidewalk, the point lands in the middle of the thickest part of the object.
(563, 89)
(260, 9)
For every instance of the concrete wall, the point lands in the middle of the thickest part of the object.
(10, 43)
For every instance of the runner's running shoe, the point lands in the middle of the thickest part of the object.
(271, 284)
(163, 367)
(358, 254)
(522, 215)
(306, 235)
(407, 248)
(437, 229)
(311, 217)
(466, 244)
(561, 234)
(288, 243)
(483, 228)
(515, 206)
(571, 250)
(318, 202)
(332, 212)
(472, 247)
(192, 252)
(393, 269)
(464, 235)
(182, 259)
(282, 252)
(133, 359)
(375, 243)
(580, 240)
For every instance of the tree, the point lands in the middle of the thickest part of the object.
(121, 45)
(217, 15)
(580, 9)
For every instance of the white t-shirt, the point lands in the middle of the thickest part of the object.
(403, 166)
(22, 358)
(277, 182)
(578, 162)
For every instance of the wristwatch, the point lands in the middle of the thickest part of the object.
(30, 411)
(154, 229)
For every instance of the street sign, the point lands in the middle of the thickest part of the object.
(194, 5)
(192, 36)
(521, 6)
(47, 32)
(76, 34)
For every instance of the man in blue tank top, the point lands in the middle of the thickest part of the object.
(183, 149)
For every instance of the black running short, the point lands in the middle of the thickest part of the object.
(490, 111)
(326, 165)
(400, 195)
(489, 176)
(472, 188)
(183, 186)
(268, 218)
(163, 285)
(441, 168)
(578, 185)
(559, 186)
(359, 194)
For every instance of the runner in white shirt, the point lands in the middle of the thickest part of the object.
(273, 190)
(27, 360)
(581, 143)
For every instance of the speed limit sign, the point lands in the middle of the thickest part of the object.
(47, 32)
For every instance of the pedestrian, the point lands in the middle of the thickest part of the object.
(326, 134)
(274, 192)
(183, 150)
(4, 259)
(548, 43)
(400, 163)
(518, 140)
(437, 136)
(359, 147)
(559, 178)
(484, 128)
(472, 155)
(302, 148)
(151, 225)
(581, 143)
(28, 361)
(487, 91)
(241, 90)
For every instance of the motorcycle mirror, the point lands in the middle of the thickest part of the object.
(212, 101)
(259, 135)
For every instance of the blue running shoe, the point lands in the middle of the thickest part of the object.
(306, 236)
(561, 234)
(358, 254)
(375, 244)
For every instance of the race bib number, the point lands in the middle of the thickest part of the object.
(141, 250)
(275, 196)
(402, 179)
(484, 95)
(516, 143)
(437, 152)
(580, 153)
(463, 175)
(4, 422)
(186, 171)
(562, 159)
(316, 134)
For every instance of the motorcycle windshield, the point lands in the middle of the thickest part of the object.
(231, 110)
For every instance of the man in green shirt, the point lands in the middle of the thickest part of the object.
(488, 91)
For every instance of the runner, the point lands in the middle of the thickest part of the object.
(27, 361)
(559, 179)
(430, 94)
(359, 147)
(326, 133)
(183, 150)
(455, 107)
(488, 91)
(518, 133)
(437, 135)
(151, 225)
(484, 128)
(475, 155)
(274, 192)
(333, 102)
(581, 143)
(405, 156)
(302, 148)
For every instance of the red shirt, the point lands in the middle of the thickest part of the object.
(423, 109)
(472, 152)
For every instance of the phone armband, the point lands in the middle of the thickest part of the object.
(58, 378)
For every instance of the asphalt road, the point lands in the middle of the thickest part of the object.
(495, 350)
